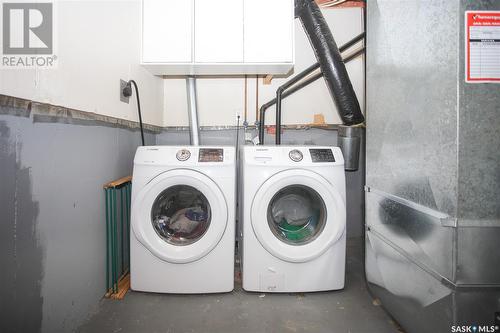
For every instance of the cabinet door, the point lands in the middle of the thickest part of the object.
(167, 31)
(269, 31)
(218, 31)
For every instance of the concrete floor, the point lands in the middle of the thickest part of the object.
(348, 310)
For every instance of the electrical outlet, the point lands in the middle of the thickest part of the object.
(123, 98)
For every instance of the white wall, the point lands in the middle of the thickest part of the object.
(97, 43)
(220, 100)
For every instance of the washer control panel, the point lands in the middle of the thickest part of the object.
(211, 155)
(295, 155)
(321, 155)
(183, 155)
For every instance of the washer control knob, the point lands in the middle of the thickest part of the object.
(295, 155)
(183, 155)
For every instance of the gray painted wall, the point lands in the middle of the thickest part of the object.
(354, 180)
(52, 232)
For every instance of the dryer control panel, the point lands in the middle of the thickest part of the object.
(185, 156)
(302, 156)
(211, 155)
(321, 155)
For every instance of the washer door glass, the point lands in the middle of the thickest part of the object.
(181, 215)
(296, 214)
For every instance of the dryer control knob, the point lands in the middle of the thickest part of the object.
(295, 155)
(183, 155)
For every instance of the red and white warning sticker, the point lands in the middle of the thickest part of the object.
(482, 62)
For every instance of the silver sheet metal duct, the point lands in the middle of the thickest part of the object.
(194, 128)
(349, 141)
(432, 169)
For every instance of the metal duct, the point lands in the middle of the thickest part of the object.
(432, 170)
(332, 66)
(194, 128)
(349, 141)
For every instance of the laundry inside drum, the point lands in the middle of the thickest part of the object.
(181, 215)
(296, 214)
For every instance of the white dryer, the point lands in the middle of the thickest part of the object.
(183, 219)
(294, 216)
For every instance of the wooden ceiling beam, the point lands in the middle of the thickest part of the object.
(350, 3)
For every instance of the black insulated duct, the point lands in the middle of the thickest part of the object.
(294, 88)
(330, 60)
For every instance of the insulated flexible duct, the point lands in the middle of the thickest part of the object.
(332, 65)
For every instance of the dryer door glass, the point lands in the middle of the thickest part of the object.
(296, 214)
(181, 215)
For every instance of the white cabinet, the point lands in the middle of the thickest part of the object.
(167, 31)
(268, 32)
(218, 37)
(218, 31)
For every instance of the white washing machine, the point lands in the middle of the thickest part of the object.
(294, 216)
(183, 220)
